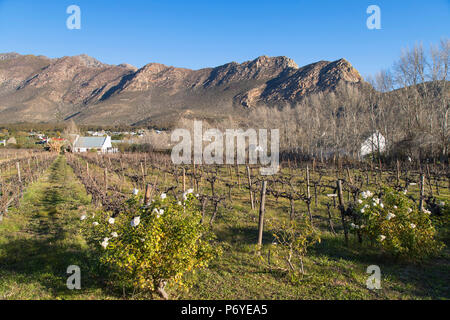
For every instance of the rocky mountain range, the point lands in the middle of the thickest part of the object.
(40, 89)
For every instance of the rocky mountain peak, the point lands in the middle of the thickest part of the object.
(88, 61)
(9, 55)
(34, 88)
(282, 62)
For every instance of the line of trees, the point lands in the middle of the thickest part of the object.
(408, 105)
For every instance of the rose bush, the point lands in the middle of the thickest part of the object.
(148, 246)
(396, 224)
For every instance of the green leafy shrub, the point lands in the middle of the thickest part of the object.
(291, 241)
(442, 221)
(147, 247)
(396, 224)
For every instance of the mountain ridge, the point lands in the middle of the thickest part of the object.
(41, 89)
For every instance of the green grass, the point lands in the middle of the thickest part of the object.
(39, 240)
(333, 271)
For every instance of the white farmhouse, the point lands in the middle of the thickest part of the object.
(374, 143)
(100, 144)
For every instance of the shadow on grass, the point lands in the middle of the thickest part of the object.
(245, 235)
(428, 278)
(42, 261)
(51, 245)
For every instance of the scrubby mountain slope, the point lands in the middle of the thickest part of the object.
(88, 91)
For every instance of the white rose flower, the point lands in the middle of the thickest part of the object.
(135, 191)
(83, 217)
(381, 205)
(95, 223)
(105, 243)
(412, 225)
(135, 222)
(163, 196)
(409, 210)
(111, 220)
(381, 237)
(114, 234)
(390, 216)
(190, 191)
(360, 201)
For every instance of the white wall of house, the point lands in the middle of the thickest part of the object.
(107, 144)
(106, 147)
(376, 142)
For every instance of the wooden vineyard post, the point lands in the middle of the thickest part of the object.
(381, 168)
(262, 210)
(315, 195)
(429, 181)
(330, 219)
(143, 173)
(87, 169)
(422, 189)
(250, 188)
(342, 209)
(194, 179)
(122, 171)
(308, 194)
(239, 177)
(349, 175)
(29, 169)
(18, 172)
(184, 180)
(106, 180)
(148, 190)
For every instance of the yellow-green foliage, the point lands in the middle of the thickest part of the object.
(149, 245)
(396, 224)
(291, 241)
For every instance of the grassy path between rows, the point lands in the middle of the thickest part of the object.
(40, 239)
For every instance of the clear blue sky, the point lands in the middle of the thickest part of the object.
(197, 34)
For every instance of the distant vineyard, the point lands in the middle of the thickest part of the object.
(303, 187)
(17, 171)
